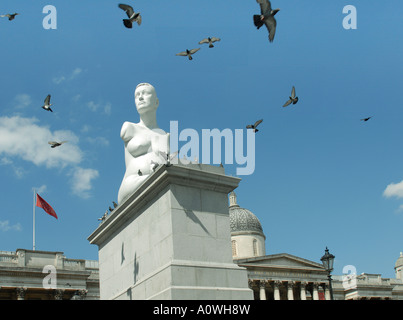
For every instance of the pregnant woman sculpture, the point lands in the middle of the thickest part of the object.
(143, 141)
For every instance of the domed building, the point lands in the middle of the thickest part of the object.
(247, 237)
(399, 267)
(276, 276)
(283, 276)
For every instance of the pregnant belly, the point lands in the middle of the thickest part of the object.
(142, 163)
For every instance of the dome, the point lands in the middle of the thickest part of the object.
(399, 261)
(242, 220)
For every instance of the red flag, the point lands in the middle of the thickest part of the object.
(45, 206)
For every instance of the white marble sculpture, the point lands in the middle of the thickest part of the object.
(143, 141)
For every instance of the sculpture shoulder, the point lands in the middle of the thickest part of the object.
(127, 131)
(160, 131)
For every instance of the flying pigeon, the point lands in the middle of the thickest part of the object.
(133, 16)
(254, 126)
(168, 157)
(293, 99)
(10, 16)
(266, 17)
(188, 53)
(366, 119)
(47, 104)
(209, 41)
(54, 144)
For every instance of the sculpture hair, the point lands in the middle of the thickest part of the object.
(144, 84)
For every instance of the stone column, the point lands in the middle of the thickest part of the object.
(327, 291)
(58, 294)
(303, 290)
(276, 285)
(290, 293)
(315, 295)
(79, 294)
(251, 285)
(21, 293)
(262, 287)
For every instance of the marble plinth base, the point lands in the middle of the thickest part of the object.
(171, 239)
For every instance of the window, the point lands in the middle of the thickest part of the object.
(254, 247)
(233, 242)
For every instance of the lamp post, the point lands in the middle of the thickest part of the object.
(327, 260)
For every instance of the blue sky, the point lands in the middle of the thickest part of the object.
(322, 176)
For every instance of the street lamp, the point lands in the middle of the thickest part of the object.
(327, 261)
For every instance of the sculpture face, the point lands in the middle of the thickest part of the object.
(145, 98)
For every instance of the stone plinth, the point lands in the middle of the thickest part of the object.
(171, 239)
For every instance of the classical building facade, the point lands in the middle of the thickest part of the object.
(44, 275)
(286, 277)
(27, 274)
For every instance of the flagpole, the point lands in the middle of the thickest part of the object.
(33, 220)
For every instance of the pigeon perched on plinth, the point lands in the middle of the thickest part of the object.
(293, 99)
(210, 41)
(266, 17)
(168, 157)
(103, 218)
(188, 53)
(154, 165)
(254, 126)
(133, 16)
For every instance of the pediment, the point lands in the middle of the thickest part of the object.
(281, 260)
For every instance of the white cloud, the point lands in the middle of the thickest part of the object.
(106, 108)
(5, 226)
(86, 128)
(40, 189)
(18, 171)
(92, 106)
(59, 80)
(394, 190)
(82, 179)
(22, 100)
(98, 140)
(24, 138)
(76, 98)
(74, 74)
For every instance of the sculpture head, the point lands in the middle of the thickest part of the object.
(145, 98)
